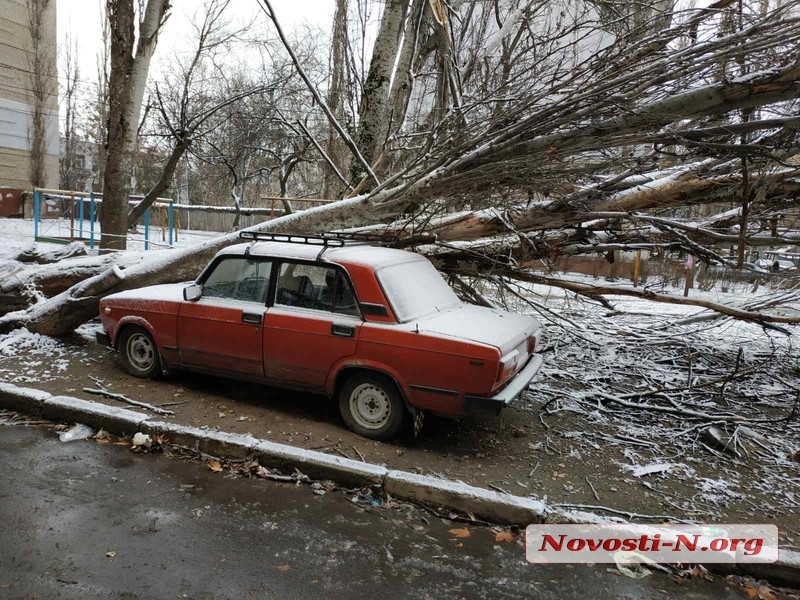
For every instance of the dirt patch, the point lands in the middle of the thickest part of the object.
(567, 457)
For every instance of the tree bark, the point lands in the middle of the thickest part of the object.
(403, 82)
(335, 148)
(373, 117)
(126, 93)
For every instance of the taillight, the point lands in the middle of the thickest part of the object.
(508, 365)
(532, 344)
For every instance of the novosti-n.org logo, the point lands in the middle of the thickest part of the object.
(679, 543)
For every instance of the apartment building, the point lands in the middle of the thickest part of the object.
(28, 46)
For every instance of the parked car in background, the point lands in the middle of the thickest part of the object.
(776, 265)
(785, 266)
(378, 329)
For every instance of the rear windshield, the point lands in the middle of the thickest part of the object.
(415, 289)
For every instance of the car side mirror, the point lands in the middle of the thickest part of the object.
(192, 293)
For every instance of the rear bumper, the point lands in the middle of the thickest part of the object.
(103, 338)
(492, 405)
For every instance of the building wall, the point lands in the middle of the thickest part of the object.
(16, 99)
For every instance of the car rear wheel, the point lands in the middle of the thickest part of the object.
(372, 407)
(138, 353)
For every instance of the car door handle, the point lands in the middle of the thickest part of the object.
(343, 330)
(251, 317)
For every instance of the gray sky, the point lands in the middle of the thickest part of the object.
(81, 20)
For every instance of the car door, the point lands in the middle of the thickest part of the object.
(313, 322)
(223, 330)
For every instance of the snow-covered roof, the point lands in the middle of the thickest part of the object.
(371, 256)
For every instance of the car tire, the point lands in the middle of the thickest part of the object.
(372, 407)
(138, 353)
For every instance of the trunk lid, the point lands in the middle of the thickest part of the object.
(504, 330)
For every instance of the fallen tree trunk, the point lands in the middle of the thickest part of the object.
(35, 254)
(685, 190)
(22, 285)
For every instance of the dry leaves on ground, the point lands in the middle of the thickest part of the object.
(462, 532)
(503, 536)
(760, 592)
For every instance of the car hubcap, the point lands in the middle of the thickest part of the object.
(141, 353)
(370, 406)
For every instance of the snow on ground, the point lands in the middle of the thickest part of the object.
(641, 380)
(37, 350)
(18, 233)
(37, 356)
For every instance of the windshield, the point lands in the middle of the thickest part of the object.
(415, 289)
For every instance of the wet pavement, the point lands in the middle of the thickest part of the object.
(85, 520)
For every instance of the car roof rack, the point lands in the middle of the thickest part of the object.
(311, 240)
(326, 240)
(364, 238)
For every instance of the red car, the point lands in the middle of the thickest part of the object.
(377, 328)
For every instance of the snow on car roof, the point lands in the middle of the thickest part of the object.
(371, 256)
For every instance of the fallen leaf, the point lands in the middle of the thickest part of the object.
(459, 545)
(504, 536)
(214, 466)
(761, 592)
(284, 568)
(460, 533)
(111, 554)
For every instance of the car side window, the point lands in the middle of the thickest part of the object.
(236, 278)
(344, 300)
(315, 287)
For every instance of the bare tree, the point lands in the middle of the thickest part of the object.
(133, 42)
(99, 108)
(336, 95)
(189, 107)
(43, 86)
(69, 168)
(373, 124)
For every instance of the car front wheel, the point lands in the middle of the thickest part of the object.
(372, 407)
(138, 353)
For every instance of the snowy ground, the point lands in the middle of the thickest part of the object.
(650, 409)
(18, 233)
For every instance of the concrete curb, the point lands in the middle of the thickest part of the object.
(24, 400)
(488, 504)
(93, 414)
(452, 495)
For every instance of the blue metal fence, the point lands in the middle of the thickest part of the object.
(76, 203)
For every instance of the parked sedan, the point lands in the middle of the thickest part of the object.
(376, 328)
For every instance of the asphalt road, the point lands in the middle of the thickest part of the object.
(85, 520)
